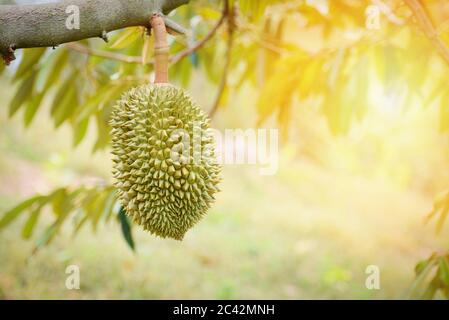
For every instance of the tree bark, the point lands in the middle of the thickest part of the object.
(44, 25)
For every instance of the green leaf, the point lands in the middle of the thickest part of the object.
(30, 58)
(31, 109)
(147, 49)
(47, 236)
(212, 61)
(125, 38)
(79, 131)
(423, 271)
(96, 208)
(438, 203)
(80, 223)
(126, 228)
(432, 288)
(109, 204)
(58, 199)
(446, 293)
(24, 91)
(63, 204)
(103, 132)
(12, 214)
(28, 228)
(182, 71)
(67, 106)
(58, 64)
(104, 95)
(254, 10)
(421, 266)
(443, 215)
(61, 93)
(444, 270)
(277, 91)
(91, 204)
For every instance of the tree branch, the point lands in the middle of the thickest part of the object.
(427, 26)
(201, 42)
(44, 25)
(230, 15)
(81, 48)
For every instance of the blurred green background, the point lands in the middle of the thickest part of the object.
(309, 231)
(344, 197)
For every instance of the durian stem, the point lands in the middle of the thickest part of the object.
(160, 49)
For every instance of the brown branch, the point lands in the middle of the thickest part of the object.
(45, 25)
(427, 26)
(81, 48)
(269, 45)
(179, 56)
(230, 18)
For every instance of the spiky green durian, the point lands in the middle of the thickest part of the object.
(165, 166)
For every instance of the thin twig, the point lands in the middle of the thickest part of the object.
(273, 47)
(80, 48)
(179, 56)
(224, 78)
(428, 27)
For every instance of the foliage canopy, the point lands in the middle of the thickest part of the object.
(295, 54)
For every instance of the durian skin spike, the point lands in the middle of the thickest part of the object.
(160, 183)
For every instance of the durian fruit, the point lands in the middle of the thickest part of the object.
(165, 166)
